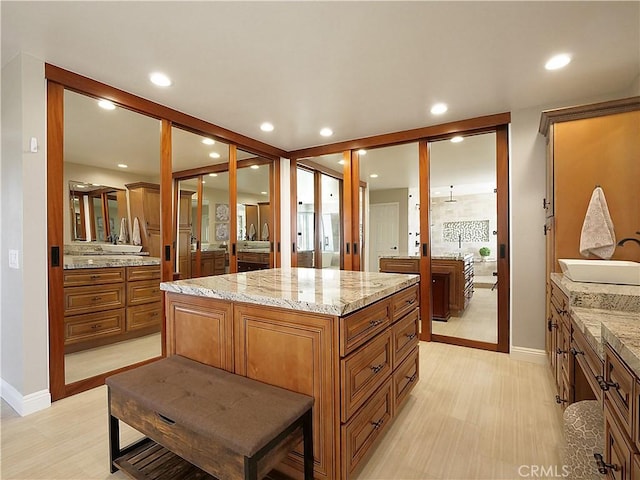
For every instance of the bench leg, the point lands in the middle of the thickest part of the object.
(114, 437)
(307, 432)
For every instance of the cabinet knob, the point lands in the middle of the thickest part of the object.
(575, 352)
(411, 378)
(377, 368)
(602, 466)
(560, 400)
(604, 385)
(378, 424)
(411, 336)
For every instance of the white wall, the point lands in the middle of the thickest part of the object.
(24, 342)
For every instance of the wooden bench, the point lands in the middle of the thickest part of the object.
(201, 421)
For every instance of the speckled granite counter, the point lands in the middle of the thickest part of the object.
(333, 292)
(106, 261)
(606, 313)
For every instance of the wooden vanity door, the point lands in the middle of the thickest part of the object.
(293, 350)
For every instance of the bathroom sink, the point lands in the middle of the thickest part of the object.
(121, 248)
(601, 271)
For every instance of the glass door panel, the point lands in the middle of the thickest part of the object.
(463, 238)
(102, 160)
(331, 223)
(305, 246)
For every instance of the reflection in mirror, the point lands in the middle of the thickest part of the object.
(254, 221)
(202, 238)
(106, 328)
(331, 225)
(306, 218)
(463, 225)
(392, 198)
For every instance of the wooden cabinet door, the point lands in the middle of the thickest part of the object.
(293, 350)
(152, 208)
(200, 329)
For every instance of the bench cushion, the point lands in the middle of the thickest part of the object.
(233, 410)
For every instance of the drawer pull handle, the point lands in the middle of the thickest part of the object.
(559, 312)
(153, 314)
(412, 378)
(551, 325)
(375, 323)
(95, 326)
(604, 385)
(602, 466)
(378, 424)
(166, 420)
(377, 368)
(575, 352)
(411, 336)
(560, 351)
(560, 400)
(94, 277)
(411, 302)
(95, 299)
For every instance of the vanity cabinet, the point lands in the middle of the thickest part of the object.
(440, 296)
(400, 265)
(559, 329)
(108, 305)
(249, 261)
(211, 263)
(185, 231)
(144, 204)
(461, 275)
(359, 367)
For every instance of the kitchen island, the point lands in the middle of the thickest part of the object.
(348, 339)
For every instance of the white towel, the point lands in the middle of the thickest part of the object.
(123, 237)
(135, 235)
(597, 237)
(265, 232)
(252, 232)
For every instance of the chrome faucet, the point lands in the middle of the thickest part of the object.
(629, 239)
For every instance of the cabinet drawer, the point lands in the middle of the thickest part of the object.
(143, 316)
(405, 378)
(565, 392)
(361, 433)
(86, 327)
(620, 392)
(589, 361)
(143, 272)
(79, 300)
(617, 451)
(92, 276)
(405, 337)
(142, 292)
(363, 372)
(405, 301)
(400, 265)
(564, 352)
(357, 328)
(253, 257)
(635, 467)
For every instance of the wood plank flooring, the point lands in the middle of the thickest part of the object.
(473, 415)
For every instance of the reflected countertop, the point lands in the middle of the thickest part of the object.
(105, 261)
(326, 291)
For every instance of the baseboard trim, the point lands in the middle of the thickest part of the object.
(24, 404)
(531, 355)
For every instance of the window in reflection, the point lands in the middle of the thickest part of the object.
(305, 245)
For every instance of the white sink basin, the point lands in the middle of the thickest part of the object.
(601, 271)
(121, 248)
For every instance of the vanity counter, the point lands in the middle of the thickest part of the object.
(106, 261)
(331, 292)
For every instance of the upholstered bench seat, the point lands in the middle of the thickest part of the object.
(221, 422)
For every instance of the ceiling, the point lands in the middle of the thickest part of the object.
(361, 68)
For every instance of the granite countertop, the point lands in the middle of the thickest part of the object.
(452, 256)
(606, 313)
(326, 291)
(105, 261)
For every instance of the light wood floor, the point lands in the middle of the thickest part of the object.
(473, 415)
(87, 363)
(479, 321)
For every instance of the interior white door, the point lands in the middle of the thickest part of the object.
(384, 223)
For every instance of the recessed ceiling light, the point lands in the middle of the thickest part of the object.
(266, 127)
(122, 165)
(558, 61)
(214, 155)
(96, 184)
(326, 132)
(263, 193)
(341, 162)
(208, 141)
(79, 185)
(436, 193)
(255, 167)
(374, 175)
(457, 139)
(106, 104)
(439, 108)
(362, 151)
(213, 174)
(160, 79)
(203, 181)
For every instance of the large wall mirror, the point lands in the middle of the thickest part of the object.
(109, 154)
